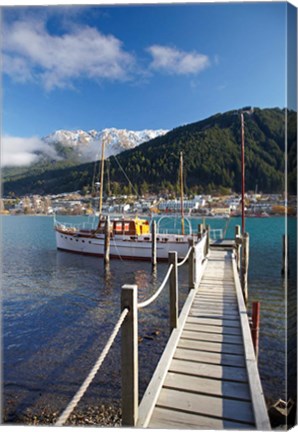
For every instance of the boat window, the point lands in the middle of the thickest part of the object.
(77, 240)
(83, 241)
(118, 226)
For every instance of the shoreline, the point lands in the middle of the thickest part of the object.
(101, 415)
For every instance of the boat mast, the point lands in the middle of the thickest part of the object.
(181, 193)
(101, 178)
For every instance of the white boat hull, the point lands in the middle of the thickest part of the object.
(123, 247)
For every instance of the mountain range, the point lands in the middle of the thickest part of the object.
(212, 159)
(85, 146)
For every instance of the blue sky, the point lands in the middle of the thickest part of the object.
(138, 67)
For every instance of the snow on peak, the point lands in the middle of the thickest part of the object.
(87, 144)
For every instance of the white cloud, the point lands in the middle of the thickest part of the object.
(31, 52)
(174, 61)
(18, 151)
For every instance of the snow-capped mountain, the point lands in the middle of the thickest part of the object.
(87, 145)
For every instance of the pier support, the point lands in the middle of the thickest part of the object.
(107, 241)
(173, 291)
(191, 265)
(207, 239)
(255, 327)
(129, 356)
(153, 237)
(244, 265)
(285, 255)
(200, 231)
(238, 242)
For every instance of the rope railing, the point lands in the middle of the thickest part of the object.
(186, 258)
(156, 294)
(82, 390)
(129, 340)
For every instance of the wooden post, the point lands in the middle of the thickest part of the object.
(285, 255)
(244, 269)
(255, 326)
(238, 245)
(173, 291)
(200, 231)
(207, 240)
(153, 238)
(107, 241)
(129, 356)
(191, 265)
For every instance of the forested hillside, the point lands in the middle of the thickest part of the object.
(212, 160)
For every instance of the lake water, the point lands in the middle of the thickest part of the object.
(58, 310)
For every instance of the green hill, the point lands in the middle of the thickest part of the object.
(212, 160)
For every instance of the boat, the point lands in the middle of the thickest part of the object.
(130, 237)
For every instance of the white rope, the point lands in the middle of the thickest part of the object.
(80, 393)
(185, 259)
(151, 299)
(116, 247)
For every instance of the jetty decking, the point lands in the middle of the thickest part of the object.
(207, 377)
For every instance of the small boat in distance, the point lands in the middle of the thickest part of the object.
(130, 238)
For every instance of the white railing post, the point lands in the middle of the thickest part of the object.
(173, 291)
(191, 266)
(129, 356)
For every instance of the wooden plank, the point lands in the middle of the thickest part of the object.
(216, 300)
(168, 419)
(228, 373)
(212, 337)
(215, 307)
(207, 295)
(213, 314)
(206, 405)
(210, 357)
(211, 346)
(213, 289)
(211, 387)
(212, 329)
(214, 321)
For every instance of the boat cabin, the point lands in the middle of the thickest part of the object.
(127, 227)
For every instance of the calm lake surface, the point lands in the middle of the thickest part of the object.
(58, 310)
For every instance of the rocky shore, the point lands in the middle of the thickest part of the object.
(103, 415)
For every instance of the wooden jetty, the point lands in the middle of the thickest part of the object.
(207, 377)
